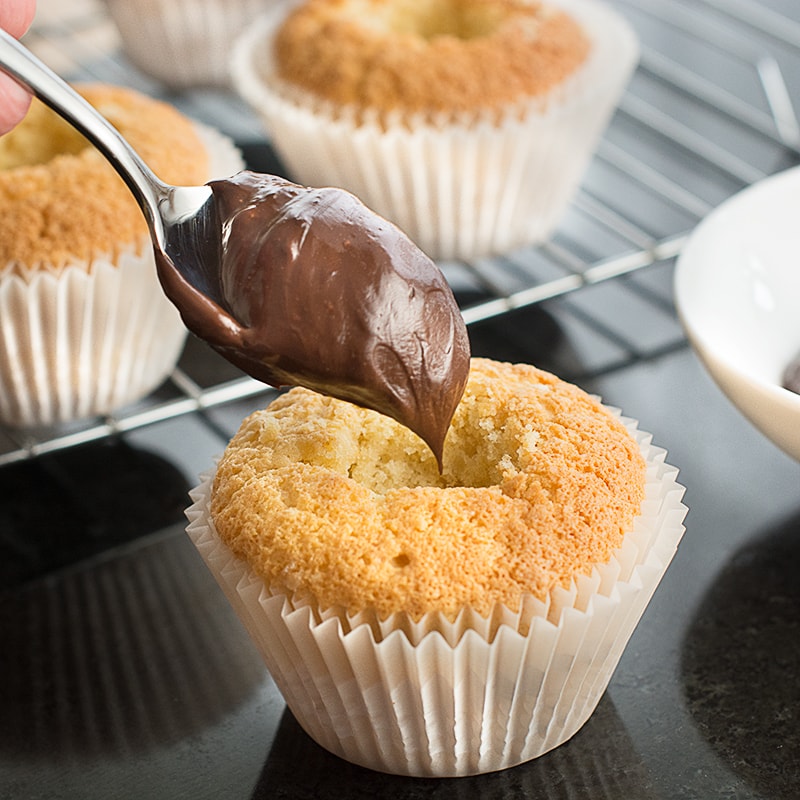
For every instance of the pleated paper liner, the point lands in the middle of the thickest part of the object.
(445, 698)
(459, 187)
(88, 338)
(183, 43)
(82, 342)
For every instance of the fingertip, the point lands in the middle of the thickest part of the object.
(14, 103)
(16, 16)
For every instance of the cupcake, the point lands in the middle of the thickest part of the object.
(468, 123)
(84, 325)
(183, 43)
(446, 623)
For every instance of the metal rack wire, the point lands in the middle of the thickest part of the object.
(708, 112)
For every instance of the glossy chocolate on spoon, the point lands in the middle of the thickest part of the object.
(313, 289)
(295, 285)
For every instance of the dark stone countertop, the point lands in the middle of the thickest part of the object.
(125, 673)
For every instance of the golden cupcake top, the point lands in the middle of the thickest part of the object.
(61, 202)
(540, 483)
(428, 56)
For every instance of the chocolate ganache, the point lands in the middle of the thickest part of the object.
(313, 289)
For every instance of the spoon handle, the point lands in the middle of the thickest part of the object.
(24, 67)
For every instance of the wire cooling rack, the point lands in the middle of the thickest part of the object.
(708, 112)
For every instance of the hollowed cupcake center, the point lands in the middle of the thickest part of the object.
(480, 452)
(38, 139)
(434, 18)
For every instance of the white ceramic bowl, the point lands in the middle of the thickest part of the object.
(737, 289)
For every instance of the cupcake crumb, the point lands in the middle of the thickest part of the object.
(431, 57)
(539, 483)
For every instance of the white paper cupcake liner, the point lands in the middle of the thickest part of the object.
(89, 338)
(78, 344)
(459, 189)
(446, 698)
(183, 43)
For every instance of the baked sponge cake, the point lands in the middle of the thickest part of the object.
(446, 624)
(428, 56)
(539, 483)
(467, 123)
(63, 203)
(84, 325)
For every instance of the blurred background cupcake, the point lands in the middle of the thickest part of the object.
(183, 43)
(441, 625)
(84, 325)
(468, 123)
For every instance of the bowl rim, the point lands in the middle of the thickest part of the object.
(688, 259)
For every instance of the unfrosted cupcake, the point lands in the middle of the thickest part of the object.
(183, 43)
(468, 123)
(84, 325)
(441, 624)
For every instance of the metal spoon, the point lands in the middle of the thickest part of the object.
(292, 284)
(181, 219)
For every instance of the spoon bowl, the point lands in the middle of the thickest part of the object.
(292, 284)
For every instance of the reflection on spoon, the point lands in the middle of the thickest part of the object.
(293, 285)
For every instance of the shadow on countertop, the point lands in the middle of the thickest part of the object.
(598, 763)
(119, 655)
(741, 663)
(62, 508)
